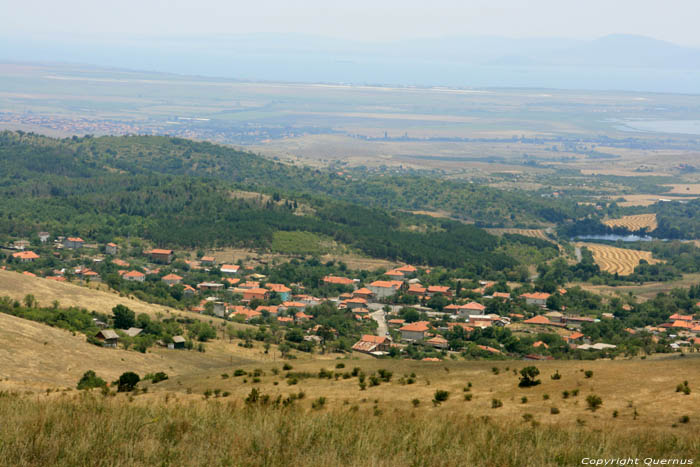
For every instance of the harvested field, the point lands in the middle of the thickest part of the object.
(634, 223)
(648, 200)
(615, 260)
(536, 233)
(689, 189)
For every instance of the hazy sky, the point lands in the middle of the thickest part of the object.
(672, 20)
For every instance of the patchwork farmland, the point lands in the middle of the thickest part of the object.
(621, 261)
(634, 223)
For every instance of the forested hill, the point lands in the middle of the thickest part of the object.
(106, 187)
(483, 206)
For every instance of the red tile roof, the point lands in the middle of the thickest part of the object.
(537, 320)
(338, 280)
(418, 326)
(25, 255)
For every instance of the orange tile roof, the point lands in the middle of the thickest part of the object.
(338, 280)
(25, 255)
(536, 295)
(464, 326)
(501, 295)
(172, 277)
(208, 259)
(488, 349)
(416, 288)
(159, 251)
(134, 274)
(229, 267)
(363, 291)
(430, 359)
(394, 272)
(248, 313)
(279, 288)
(574, 336)
(387, 284)
(396, 321)
(437, 340)
(418, 326)
(537, 320)
(438, 289)
(677, 316)
(681, 324)
(407, 268)
(283, 319)
(374, 339)
(540, 344)
(75, 239)
(473, 306)
(120, 262)
(30, 274)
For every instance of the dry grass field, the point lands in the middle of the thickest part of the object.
(615, 260)
(648, 200)
(688, 189)
(642, 292)
(634, 223)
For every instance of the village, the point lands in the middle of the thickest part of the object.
(408, 311)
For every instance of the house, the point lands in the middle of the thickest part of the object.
(247, 313)
(555, 316)
(73, 243)
(439, 289)
(188, 290)
(383, 289)
(178, 342)
(44, 237)
(272, 310)
(395, 275)
(503, 295)
(25, 256)
(540, 344)
(30, 274)
(354, 303)
(229, 269)
(207, 260)
(369, 343)
(536, 298)
(464, 326)
(210, 286)
(134, 276)
(284, 292)
(363, 293)
(416, 289)
(302, 317)
(256, 294)
(21, 244)
(408, 270)
(470, 308)
(414, 332)
(285, 321)
(538, 320)
(289, 305)
(438, 342)
(336, 280)
(576, 321)
(679, 317)
(172, 279)
(92, 276)
(249, 285)
(481, 321)
(396, 322)
(120, 262)
(133, 332)
(111, 248)
(108, 337)
(161, 256)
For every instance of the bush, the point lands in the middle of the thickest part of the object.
(554, 411)
(286, 367)
(318, 403)
(468, 397)
(91, 380)
(523, 400)
(684, 388)
(158, 377)
(684, 419)
(527, 377)
(385, 375)
(594, 402)
(496, 403)
(556, 375)
(415, 402)
(588, 373)
(565, 394)
(440, 397)
(127, 381)
(340, 365)
(528, 417)
(239, 372)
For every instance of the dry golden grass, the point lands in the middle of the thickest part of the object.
(685, 189)
(647, 200)
(621, 261)
(642, 292)
(633, 223)
(378, 426)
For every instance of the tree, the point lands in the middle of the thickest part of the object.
(527, 377)
(124, 318)
(127, 381)
(30, 301)
(91, 380)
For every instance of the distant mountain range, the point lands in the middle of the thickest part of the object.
(620, 62)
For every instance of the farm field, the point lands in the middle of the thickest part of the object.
(648, 200)
(621, 261)
(634, 223)
(535, 233)
(685, 189)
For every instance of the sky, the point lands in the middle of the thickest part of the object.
(367, 20)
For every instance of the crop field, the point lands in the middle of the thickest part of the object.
(536, 233)
(621, 261)
(689, 189)
(634, 223)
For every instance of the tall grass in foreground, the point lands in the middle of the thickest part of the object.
(91, 430)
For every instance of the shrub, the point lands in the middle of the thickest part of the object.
(158, 377)
(523, 400)
(594, 402)
(239, 372)
(319, 403)
(340, 365)
(588, 373)
(495, 370)
(528, 417)
(545, 397)
(355, 371)
(527, 377)
(684, 419)
(415, 402)
(683, 387)
(91, 380)
(615, 413)
(224, 375)
(468, 397)
(286, 367)
(496, 403)
(127, 381)
(565, 394)
(440, 397)
(554, 411)
(373, 381)
(385, 375)
(556, 375)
